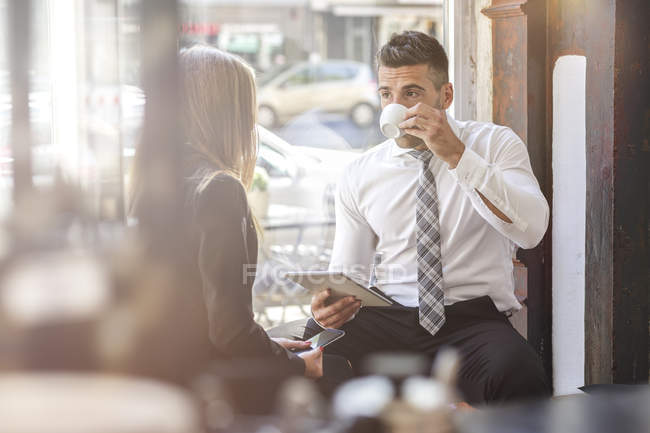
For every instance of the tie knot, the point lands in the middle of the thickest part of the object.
(423, 155)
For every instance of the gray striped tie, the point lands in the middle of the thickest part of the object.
(427, 231)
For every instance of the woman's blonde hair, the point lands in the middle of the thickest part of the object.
(218, 116)
(219, 111)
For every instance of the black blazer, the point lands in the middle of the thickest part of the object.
(224, 244)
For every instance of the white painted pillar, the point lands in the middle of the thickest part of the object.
(569, 214)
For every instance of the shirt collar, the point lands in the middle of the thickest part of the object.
(397, 151)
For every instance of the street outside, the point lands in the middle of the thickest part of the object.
(332, 140)
(329, 131)
(317, 98)
(297, 247)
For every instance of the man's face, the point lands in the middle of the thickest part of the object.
(408, 85)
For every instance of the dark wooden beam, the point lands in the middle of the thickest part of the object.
(599, 251)
(631, 155)
(519, 101)
(616, 253)
(617, 261)
(538, 260)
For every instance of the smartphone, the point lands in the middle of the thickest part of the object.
(327, 336)
(322, 339)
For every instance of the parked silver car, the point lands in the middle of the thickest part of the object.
(336, 86)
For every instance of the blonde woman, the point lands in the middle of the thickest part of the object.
(219, 154)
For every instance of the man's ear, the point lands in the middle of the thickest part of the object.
(446, 95)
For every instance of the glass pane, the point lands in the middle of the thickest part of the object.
(5, 115)
(317, 108)
(318, 103)
(44, 157)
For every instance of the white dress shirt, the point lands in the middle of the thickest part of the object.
(375, 212)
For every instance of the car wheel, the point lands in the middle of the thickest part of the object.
(363, 115)
(266, 116)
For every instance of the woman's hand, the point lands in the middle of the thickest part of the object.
(292, 344)
(313, 363)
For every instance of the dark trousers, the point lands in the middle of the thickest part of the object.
(497, 363)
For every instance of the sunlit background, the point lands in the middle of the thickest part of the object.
(82, 298)
(318, 108)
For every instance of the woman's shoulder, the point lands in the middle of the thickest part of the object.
(220, 197)
(223, 182)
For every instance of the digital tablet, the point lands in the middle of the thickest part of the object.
(341, 286)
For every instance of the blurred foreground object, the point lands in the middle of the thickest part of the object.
(78, 294)
(53, 286)
(90, 403)
(611, 413)
(400, 395)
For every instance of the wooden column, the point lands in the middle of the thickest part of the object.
(528, 37)
(617, 256)
(510, 58)
(618, 162)
(519, 101)
(631, 191)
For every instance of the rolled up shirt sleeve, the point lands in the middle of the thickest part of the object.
(506, 179)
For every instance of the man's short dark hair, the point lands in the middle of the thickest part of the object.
(415, 48)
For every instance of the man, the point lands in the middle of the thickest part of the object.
(446, 205)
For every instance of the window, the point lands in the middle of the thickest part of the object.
(44, 157)
(336, 72)
(317, 92)
(316, 89)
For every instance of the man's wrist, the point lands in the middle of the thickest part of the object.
(456, 156)
(314, 318)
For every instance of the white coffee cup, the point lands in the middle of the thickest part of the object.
(391, 116)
